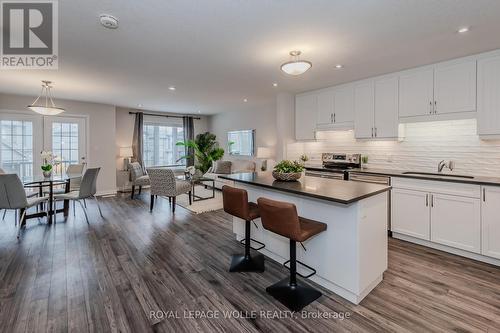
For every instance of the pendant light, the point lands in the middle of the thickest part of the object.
(296, 66)
(48, 108)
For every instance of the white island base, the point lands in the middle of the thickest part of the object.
(349, 257)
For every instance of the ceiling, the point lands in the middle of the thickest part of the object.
(219, 52)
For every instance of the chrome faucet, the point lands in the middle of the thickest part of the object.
(441, 165)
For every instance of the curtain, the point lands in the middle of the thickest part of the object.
(138, 138)
(188, 125)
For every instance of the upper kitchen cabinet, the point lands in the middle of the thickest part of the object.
(336, 108)
(364, 110)
(325, 108)
(488, 96)
(376, 109)
(416, 94)
(444, 91)
(386, 108)
(306, 108)
(455, 87)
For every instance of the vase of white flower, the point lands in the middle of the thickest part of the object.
(48, 161)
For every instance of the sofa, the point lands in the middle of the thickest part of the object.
(237, 166)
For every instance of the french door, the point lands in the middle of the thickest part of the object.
(66, 138)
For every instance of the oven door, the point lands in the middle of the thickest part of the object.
(326, 174)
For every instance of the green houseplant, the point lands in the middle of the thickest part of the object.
(287, 170)
(206, 150)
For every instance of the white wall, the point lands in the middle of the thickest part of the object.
(263, 121)
(100, 129)
(425, 144)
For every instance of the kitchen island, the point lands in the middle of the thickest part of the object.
(351, 255)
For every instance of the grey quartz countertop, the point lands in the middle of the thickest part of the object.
(326, 189)
(446, 177)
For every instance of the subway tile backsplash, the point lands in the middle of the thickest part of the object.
(424, 145)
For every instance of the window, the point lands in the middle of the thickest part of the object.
(16, 153)
(160, 144)
(65, 144)
(241, 142)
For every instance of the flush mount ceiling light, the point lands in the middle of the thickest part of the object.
(339, 66)
(48, 108)
(275, 84)
(463, 30)
(171, 88)
(296, 66)
(108, 21)
(245, 100)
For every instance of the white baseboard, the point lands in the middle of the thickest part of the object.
(470, 255)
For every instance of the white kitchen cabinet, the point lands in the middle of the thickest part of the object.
(410, 213)
(456, 222)
(490, 221)
(305, 116)
(416, 92)
(325, 108)
(364, 109)
(488, 96)
(386, 108)
(455, 87)
(343, 111)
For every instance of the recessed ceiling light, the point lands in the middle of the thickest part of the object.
(199, 111)
(339, 66)
(463, 30)
(275, 84)
(245, 100)
(171, 88)
(296, 66)
(139, 105)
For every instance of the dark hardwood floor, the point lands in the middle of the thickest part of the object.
(111, 274)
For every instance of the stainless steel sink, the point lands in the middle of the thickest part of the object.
(436, 174)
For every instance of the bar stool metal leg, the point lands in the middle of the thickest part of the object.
(247, 262)
(291, 294)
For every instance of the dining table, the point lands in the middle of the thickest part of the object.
(41, 183)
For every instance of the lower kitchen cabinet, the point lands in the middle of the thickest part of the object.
(456, 221)
(410, 213)
(490, 208)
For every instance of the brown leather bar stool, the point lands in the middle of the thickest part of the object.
(236, 203)
(282, 219)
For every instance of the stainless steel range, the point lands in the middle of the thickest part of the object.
(335, 166)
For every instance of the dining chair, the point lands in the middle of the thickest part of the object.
(164, 183)
(87, 190)
(29, 194)
(74, 183)
(13, 196)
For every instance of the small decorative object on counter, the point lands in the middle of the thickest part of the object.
(364, 161)
(49, 160)
(287, 170)
(304, 159)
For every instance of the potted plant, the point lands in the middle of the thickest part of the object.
(287, 170)
(48, 162)
(206, 150)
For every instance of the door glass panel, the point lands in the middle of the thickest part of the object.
(16, 153)
(65, 145)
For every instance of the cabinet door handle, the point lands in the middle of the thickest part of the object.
(333, 117)
(426, 200)
(372, 132)
(430, 107)
(432, 200)
(375, 132)
(484, 194)
(435, 107)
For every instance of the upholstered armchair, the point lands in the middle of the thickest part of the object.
(138, 177)
(164, 183)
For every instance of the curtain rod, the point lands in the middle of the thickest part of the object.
(162, 115)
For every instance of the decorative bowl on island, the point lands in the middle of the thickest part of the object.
(288, 171)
